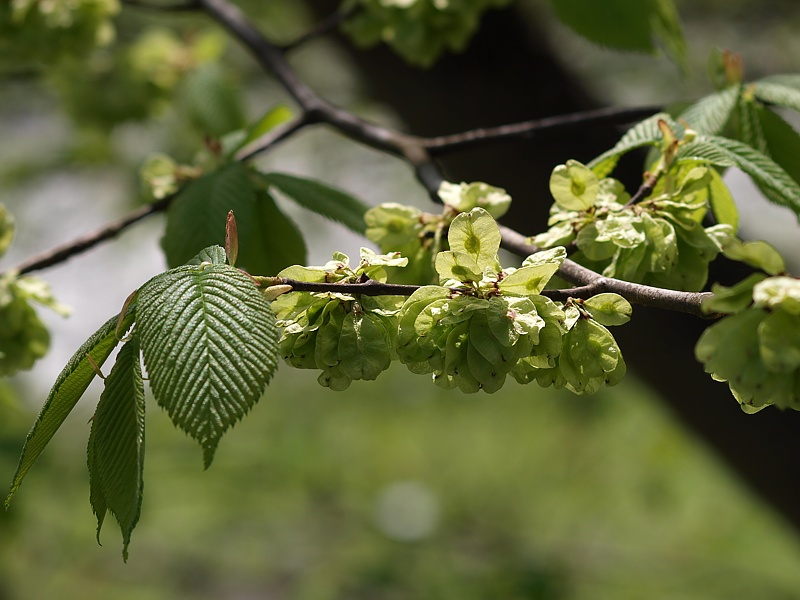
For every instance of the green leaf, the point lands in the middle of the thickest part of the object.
(196, 219)
(326, 201)
(619, 23)
(116, 445)
(210, 344)
(68, 389)
(666, 26)
(475, 234)
(710, 114)
(782, 90)
(757, 254)
(609, 309)
(779, 342)
(770, 178)
(363, 346)
(749, 124)
(721, 201)
(271, 119)
(268, 239)
(732, 299)
(574, 186)
(645, 133)
(212, 103)
(273, 242)
(783, 141)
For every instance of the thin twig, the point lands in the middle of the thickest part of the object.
(594, 283)
(271, 138)
(415, 150)
(646, 188)
(61, 253)
(444, 143)
(326, 25)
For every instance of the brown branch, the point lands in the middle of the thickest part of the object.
(444, 143)
(61, 253)
(593, 283)
(415, 150)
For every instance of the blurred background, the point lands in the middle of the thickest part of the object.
(396, 489)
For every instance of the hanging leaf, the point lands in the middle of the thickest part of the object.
(210, 344)
(321, 199)
(770, 178)
(116, 445)
(275, 242)
(68, 389)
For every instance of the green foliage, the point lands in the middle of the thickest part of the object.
(658, 241)
(23, 337)
(324, 200)
(68, 389)
(418, 30)
(32, 31)
(137, 81)
(209, 341)
(347, 337)
(268, 239)
(419, 235)
(625, 25)
(116, 445)
(756, 349)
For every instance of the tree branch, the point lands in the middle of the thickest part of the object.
(61, 253)
(415, 150)
(445, 143)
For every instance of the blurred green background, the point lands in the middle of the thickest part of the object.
(393, 489)
(399, 490)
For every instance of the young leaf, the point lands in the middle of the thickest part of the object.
(609, 309)
(67, 390)
(210, 344)
(326, 201)
(475, 234)
(116, 445)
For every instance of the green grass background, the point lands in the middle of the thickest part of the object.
(527, 494)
